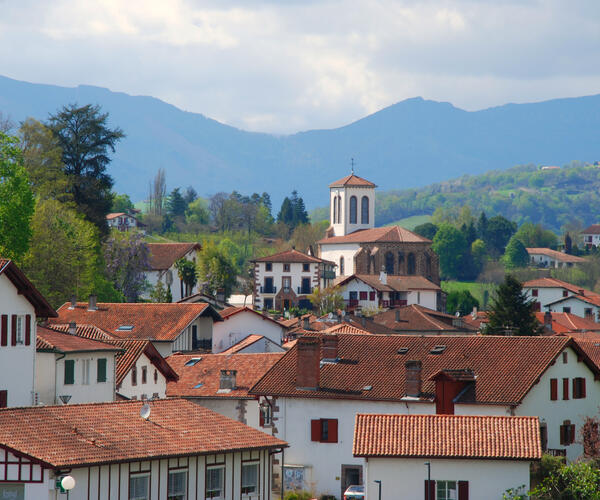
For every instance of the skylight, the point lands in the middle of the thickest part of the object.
(125, 328)
(403, 350)
(438, 349)
(192, 361)
(198, 385)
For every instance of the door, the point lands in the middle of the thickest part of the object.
(351, 474)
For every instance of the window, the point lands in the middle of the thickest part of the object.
(287, 284)
(19, 330)
(364, 295)
(372, 296)
(249, 479)
(177, 485)
(353, 210)
(265, 415)
(566, 309)
(389, 263)
(446, 490)
(334, 211)
(155, 376)
(139, 487)
(411, 264)
(305, 288)
(215, 483)
(3, 398)
(69, 371)
(286, 268)
(565, 357)
(268, 304)
(339, 209)
(101, 370)
(565, 293)
(553, 389)
(324, 430)
(588, 313)
(305, 268)
(579, 388)
(268, 288)
(85, 372)
(567, 433)
(144, 374)
(565, 388)
(534, 292)
(341, 266)
(134, 375)
(269, 266)
(364, 210)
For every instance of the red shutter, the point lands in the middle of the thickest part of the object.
(429, 488)
(27, 329)
(315, 430)
(332, 430)
(4, 330)
(3, 399)
(13, 336)
(261, 417)
(553, 389)
(565, 388)
(572, 436)
(582, 388)
(463, 490)
(563, 428)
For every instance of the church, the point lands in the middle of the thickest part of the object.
(359, 248)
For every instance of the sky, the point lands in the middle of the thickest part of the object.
(290, 65)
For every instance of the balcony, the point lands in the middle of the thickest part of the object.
(556, 452)
(352, 302)
(202, 344)
(268, 289)
(304, 290)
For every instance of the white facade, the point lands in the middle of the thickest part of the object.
(574, 305)
(243, 410)
(52, 380)
(241, 324)
(405, 477)
(170, 279)
(201, 329)
(543, 260)
(122, 222)
(358, 293)
(340, 198)
(591, 239)
(545, 295)
(152, 385)
(17, 362)
(337, 252)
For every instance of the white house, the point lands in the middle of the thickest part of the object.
(170, 327)
(286, 279)
(365, 291)
(123, 221)
(322, 382)
(580, 305)
(546, 257)
(221, 383)
(179, 451)
(544, 291)
(20, 305)
(591, 235)
(485, 456)
(254, 344)
(72, 369)
(238, 323)
(163, 257)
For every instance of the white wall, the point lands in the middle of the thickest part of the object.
(239, 326)
(577, 306)
(488, 479)
(546, 295)
(154, 276)
(234, 409)
(344, 227)
(17, 363)
(333, 252)
(425, 298)
(45, 373)
(150, 387)
(296, 273)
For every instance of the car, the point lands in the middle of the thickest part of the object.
(355, 492)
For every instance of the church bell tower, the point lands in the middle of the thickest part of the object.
(352, 205)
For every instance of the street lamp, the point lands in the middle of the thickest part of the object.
(378, 481)
(427, 490)
(65, 483)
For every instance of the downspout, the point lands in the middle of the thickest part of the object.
(56, 376)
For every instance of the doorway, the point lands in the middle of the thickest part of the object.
(351, 474)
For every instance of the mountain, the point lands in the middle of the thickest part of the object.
(408, 144)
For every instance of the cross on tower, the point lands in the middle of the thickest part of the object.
(352, 165)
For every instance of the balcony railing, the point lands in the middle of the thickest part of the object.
(329, 275)
(201, 344)
(304, 290)
(268, 289)
(557, 452)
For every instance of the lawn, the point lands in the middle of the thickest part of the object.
(476, 289)
(411, 222)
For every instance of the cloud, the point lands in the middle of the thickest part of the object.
(282, 66)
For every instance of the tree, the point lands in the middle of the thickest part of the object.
(197, 212)
(499, 231)
(16, 201)
(176, 205)
(86, 142)
(515, 254)
(511, 312)
(215, 270)
(568, 244)
(326, 300)
(479, 253)
(189, 195)
(160, 293)
(186, 270)
(461, 301)
(121, 203)
(535, 236)
(482, 224)
(578, 480)
(451, 247)
(590, 437)
(427, 230)
(127, 258)
(157, 193)
(293, 212)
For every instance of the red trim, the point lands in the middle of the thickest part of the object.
(553, 389)
(13, 330)
(27, 329)
(4, 330)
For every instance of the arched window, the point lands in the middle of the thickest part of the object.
(353, 209)
(428, 265)
(341, 266)
(334, 219)
(389, 263)
(400, 262)
(364, 210)
(339, 209)
(411, 264)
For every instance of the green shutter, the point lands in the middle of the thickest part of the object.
(102, 370)
(69, 371)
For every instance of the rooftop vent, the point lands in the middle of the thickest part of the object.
(198, 385)
(367, 388)
(125, 328)
(403, 350)
(438, 349)
(192, 361)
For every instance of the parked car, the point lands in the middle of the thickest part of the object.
(355, 492)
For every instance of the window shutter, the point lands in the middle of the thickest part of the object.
(582, 388)
(333, 430)
(3, 399)
(315, 430)
(101, 370)
(553, 389)
(429, 490)
(572, 434)
(27, 329)
(13, 335)
(4, 330)
(69, 371)
(261, 418)
(565, 388)
(463, 490)
(563, 428)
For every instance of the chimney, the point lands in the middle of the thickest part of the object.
(383, 276)
(397, 315)
(92, 303)
(307, 363)
(548, 321)
(227, 379)
(581, 291)
(413, 378)
(220, 295)
(306, 322)
(72, 328)
(474, 313)
(363, 321)
(329, 346)
(73, 301)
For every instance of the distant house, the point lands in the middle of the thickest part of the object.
(162, 266)
(591, 235)
(546, 257)
(179, 451)
(543, 291)
(419, 319)
(254, 344)
(170, 327)
(556, 323)
(124, 221)
(468, 456)
(585, 306)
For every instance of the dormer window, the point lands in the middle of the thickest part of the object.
(438, 349)
(125, 328)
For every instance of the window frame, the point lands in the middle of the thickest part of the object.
(144, 374)
(177, 495)
(85, 371)
(353, 204)
(446, 483)
(256, 491)
(101, 362)
(286, 268)
(139, 475)
(268, 267)
(20, 329)
(69, 380)
(364, 210)
(134, 376)
(579, 388)
(324, 430)
(222, 491)
(306, 267)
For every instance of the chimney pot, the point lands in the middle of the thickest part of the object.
(306, 321)
(397, 315)
(72, 328)
(307, 363)
(413, 378)
(227, 379)
(73, 301)
(92, 303)
(548, 321)
(581, 291)
(329, 346)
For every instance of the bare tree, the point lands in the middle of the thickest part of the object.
(6, 124)
(157, 193)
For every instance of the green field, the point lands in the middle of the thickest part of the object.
(411, 222)
(476, 289)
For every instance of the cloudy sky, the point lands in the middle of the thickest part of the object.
(289, 65)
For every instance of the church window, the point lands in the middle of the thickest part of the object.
(334, 219)
(364, 210)
(339, 209)
(400, 262)
(353, 209)
(389, 263)
(341, 266)
(428, 265)
(411, 264)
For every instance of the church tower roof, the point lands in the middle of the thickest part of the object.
(352, 180)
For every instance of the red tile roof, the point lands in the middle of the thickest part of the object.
(86, 331)
(554, 283)
(160, 322)
(388, 234)
(418, 318)
(292, 256)
(207, 371)
(506, 367)
(346, 328)
(102, 433)
(352, 180)
(17, 277)
(114, 215)
(553, 254)
(593, 299)
(593, 229)
(51, 340)
(447, 436)
(566, 322)
(393, 283)
(164, 255)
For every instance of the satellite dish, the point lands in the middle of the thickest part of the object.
(67, 483)
(457, 314)
(65, 398)
(330, 316)
(145, 411)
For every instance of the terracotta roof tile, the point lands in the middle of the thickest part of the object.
(233, 310)
(388, 234)
(346, 328)
(506, 367)
(566, 322)
(207, 371)
(150, 321)
(447, 436)
(164, 255)
(418, 318)
(554, 283)
(393, 283)
(593, 229)
(86, 434)
(553, 254)
(352, 180)
(246, 342)
(292, 256)
(51, 340)
(85, 331)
